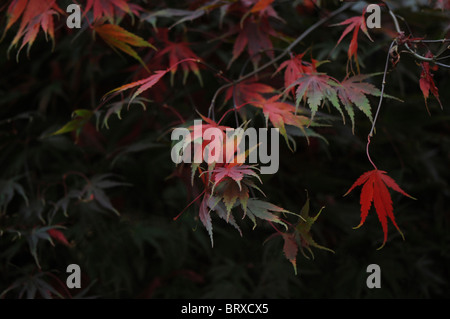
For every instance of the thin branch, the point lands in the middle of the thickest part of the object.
(414, 53)
(382, 88)
(277, 58)
(379, 104)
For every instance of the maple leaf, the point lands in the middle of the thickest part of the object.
(303, 229)
(426, 81)
(261, 6)
(294, 69)
(255, 35)
(353, 91)
(178, 51)
(315, 88)
(290, 249)
(234, 171)
(354, 23)
(119, 38)
(300, 237)
(265, 211)
(211, 203)
(247, 92)
(375, 190)
(110, 8)
(34, 14)
(59, 236)
(80, 118)
(281, 113)
(229, 192)
(143, 84)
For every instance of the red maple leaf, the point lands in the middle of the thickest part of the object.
(146, 83)
(255, 35)
(295, 67)
(58, 235)
(247, 92)
(261, 6)
(281, 113)
(177, 51)
(375, 190)
(111, 8)
(143, 84)
(426, 81)
(355, 23)
(233, 171)
(35, 14)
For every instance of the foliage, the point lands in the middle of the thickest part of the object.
(88, 178)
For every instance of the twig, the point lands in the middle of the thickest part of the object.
(414, 53)
(379, 104)
(277, 58)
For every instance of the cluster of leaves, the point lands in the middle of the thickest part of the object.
(99, 182)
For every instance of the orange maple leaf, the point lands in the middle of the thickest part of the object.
(35, 14)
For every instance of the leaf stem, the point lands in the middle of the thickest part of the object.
(176, 217)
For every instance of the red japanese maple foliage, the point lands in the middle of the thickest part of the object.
(34, 14)
(354, 23)
(290, 100)
(375, 190)
(426, 81)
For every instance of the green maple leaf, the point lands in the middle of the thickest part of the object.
(304, 230)
(316, 88)
(264, 210)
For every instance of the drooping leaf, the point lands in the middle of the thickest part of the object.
(304, 230)
(231, 184)
(176, 52)
(354, 23)
(426, 81)
(375, 190)
(143, 84)
(146, 83)
(59, 236)
(182, 16)
(255, 35)
(281, 113)
(352, 91)
(95, 191)
(221, 211)
(34, 14)
(261, 5)
(8, 188)
(290, 249)
(264, 210)
(294, 69)
(119, 38)
(110, 9)
(80, 118)
(316, 88)
(235, 172)
(205, 217)
(247, 92)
